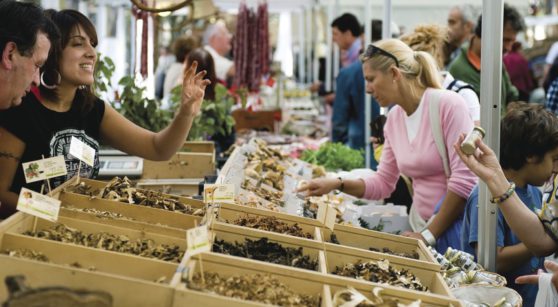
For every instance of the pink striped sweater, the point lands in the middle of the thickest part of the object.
(420, 158)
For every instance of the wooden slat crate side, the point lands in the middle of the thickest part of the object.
(139, 213)
(91, 258)
(126, 223)
(198, 146)
(181, 165)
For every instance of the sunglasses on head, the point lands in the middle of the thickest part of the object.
(372, 50)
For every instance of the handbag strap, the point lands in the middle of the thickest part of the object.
(436, 124)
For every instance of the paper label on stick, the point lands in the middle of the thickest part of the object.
(38, 205)
(44, 169)
(82, 151)
(326, 215)
(197, 240)
(221, 193)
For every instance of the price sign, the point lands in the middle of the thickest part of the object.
(38, 205)
(197, 240)
(222, 193)
(44, 169)
(82, 151)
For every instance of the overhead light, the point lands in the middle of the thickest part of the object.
(164, 14)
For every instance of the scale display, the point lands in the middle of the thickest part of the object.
(110, 166)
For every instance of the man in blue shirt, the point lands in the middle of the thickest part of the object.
(529, 148)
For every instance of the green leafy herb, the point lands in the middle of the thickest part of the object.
(335, 156)
(359, 202)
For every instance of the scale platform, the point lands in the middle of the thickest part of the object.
(116, 163)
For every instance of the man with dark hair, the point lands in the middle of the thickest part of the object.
(528, 154)
(467, 65)
(25, 40)
(346, 31)
(348, 123)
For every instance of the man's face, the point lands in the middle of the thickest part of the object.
(222, 41)
(25, 72)
(341, 38)
(508, 37)
(458, 30)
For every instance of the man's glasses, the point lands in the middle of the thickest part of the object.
(373, 50)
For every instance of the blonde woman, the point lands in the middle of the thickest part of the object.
(397, 75)
(432, 38)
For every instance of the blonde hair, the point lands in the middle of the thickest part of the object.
(417, 67)
(429, 38)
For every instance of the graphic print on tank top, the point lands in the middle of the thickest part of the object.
(60, 145)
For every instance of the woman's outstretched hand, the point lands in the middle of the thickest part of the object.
(483, 163)
(193, 89)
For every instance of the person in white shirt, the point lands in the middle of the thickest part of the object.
(217, 40)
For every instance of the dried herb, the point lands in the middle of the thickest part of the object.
(116, 243)
(122, 190)
(260, 288)
(385, 250)
(271, 223)
(381, 272)
(333, 238)
(271, 196)
(264, 250)
(26, 254)
(352, 297)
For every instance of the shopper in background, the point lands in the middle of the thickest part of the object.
(432, 38)
(517, 67)
(217, 40)
(173, 76)
(467, 65)
(65, 106)
(165, 60)
(25, 40)
(348, 122)
(523, 222)
(461, 23)
(528, 154)
(394, 73)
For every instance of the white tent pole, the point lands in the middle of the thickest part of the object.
(367, 98)
(308, 42)
(329, 46)
(490, 98)
(302, 47)
(386, 33)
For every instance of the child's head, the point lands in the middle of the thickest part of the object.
(529, 141)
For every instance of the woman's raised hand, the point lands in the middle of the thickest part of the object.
(193, 89)
(483, 163)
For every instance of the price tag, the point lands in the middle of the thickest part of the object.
(82, 151)
(197, 240)
(326, 215)
(44, 169)
(221, 193)
(38, 205)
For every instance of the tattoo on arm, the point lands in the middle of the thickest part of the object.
(9, 156)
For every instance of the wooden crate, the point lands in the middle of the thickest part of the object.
(198, 146)
(255, 120)
(89, 258)
(181, 165)
(182, 187)
(427, 273)
(20, 223)
(125, 291)
(227, 266)
(232, 233)
(158, 228)
(229, 212)
(364, 239)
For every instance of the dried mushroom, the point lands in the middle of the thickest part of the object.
(312, 204)
(264, 250)
(271, 223)
(385, 250)
(275, 197)
(26, 254)
(264, 165)
(260, 288)
(381, 272)
(122, 190)
(352, 297)
(116, 243)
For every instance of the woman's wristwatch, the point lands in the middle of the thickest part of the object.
(428, 237)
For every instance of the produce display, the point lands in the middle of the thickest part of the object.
(26, 254)
(123, 190)
(271, 223)
(335, 156)
(260, 288)
(264, 250)
(116, 243)
(380, 272)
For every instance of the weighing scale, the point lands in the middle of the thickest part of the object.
(117, 163)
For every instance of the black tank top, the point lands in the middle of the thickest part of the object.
(46, 132)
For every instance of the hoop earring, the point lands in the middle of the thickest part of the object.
(50, 87)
